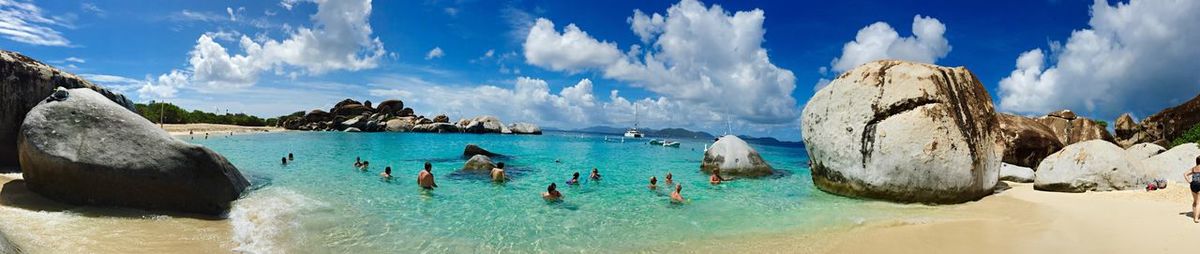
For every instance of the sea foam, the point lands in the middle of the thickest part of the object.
(264, 221)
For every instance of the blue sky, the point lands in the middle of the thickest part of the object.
(700, 65)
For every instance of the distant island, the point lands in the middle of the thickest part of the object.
(677, 133)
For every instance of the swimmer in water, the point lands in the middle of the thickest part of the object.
(595, 174)
(552, 193)
(716, 177)
(653, 183)
(669, 179)
(387, 173)
(498, 173)
(425, 178)
(284, 160)
(574, 179)
(290, 157)
(675, 196)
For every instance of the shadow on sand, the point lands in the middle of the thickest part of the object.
(16, 194)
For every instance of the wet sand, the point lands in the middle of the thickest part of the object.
(40, 225)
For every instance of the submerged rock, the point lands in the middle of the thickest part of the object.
(1014, 173)
(479, 162)
(471, 150)
(24, 82)
(525, 128)
(903, 131)
(436, 128)
(733, 156)
(483, 124)
(1026, 141)
(87, 150)
(1094, 165)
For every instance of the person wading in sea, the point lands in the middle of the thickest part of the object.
(425, 178)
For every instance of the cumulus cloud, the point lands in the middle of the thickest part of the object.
(1139, 56)
(340, 39)
(165, 86)
(436, 52)
(702, 59)
(879, 41)
(24, 22)
(532, 100)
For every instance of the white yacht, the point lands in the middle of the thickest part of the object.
(633, 132)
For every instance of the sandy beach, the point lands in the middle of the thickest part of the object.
(1018, 220)
(215, 129)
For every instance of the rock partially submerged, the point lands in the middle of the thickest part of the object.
(905, 132)
(471, 150)
(391, 115)
(79, 147)
(1094, 165)
(479, 162)
(1026, 141)
(734, 157)
(525, 128)
(23, 83)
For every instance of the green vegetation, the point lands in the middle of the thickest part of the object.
(174, 114)
(1191, 136)
(1102, 123)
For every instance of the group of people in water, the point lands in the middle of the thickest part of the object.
(426, 181)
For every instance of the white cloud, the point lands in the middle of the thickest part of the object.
(24, 22)
(340, 39)
(489, 53)
(118, 83)
(288, 4)
(75, 60)
(165, 87)
(708, 60)
(190, 15)
(436, 52)
(1139, 56)
(879, 41)
(91, 7)
(453, 12)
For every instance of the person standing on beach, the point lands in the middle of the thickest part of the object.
(425, 178)
(675, 196)
(498, 173)
(716, 177)
(552, 194)
(1193, 178)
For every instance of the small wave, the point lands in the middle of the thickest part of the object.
(262, 220)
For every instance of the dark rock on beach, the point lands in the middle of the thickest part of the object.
(79, 147)
(1026, 141)
(1070, 128)
(23, 83)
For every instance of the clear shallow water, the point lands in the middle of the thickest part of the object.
(320, 202)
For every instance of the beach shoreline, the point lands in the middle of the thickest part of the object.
(216, 129)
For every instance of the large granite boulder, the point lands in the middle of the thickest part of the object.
(401, 124)
(441, 119)
(1125, 129)
(1143, 151)
(1093, 165)
(23, 83)
(471, 150)
(350, 110)
(345, 102)
(406, 112)
(392, 107)
(1026, 141)
(903, 131)
(436, 128)
(80, 147)
(318, 115)
(1173, 163)
(1070, 128)
(525, 128)
(479, 162)
(1014, 173)
(734, 157)
(484, 124)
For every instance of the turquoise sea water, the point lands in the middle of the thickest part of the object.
(321, 203)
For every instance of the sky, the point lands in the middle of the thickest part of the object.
(717, 66)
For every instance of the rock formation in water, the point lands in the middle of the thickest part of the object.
(80, 147)
(391, 115)
(23, 83)
(479, 162)
(1026, 141)
(903, 131)
(471, 150)
(734, 157)
(1070, 128)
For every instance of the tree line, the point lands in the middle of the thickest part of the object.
(169, 113)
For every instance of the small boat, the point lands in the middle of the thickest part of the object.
(656, 142)
(634, 133)
(670, 144)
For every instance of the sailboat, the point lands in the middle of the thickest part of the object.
(633, 132)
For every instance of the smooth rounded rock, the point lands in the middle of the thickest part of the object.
(1014, 173)
(1093, 165)
(479, 162)
(733, 156)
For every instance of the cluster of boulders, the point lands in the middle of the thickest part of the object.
(391, 115)
(917, 132)
(78, 143)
